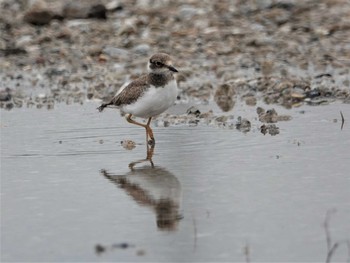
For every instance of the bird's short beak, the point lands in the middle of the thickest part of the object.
(172, 69)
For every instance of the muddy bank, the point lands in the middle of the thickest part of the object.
(282, 52)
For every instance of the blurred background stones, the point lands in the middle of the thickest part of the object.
(282, 52)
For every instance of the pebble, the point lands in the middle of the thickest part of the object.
(250, 101)
(224, 97)
(221, 119)
(187, 12)
(193, 111)
(5, 95)
(99, 249)
(271, 129)
(271, 116)
(114, 5)
(114, 52)
(243, 124)
(140, 252)
(142, 49)
(128, 144)
(38, 13)
(84, 9)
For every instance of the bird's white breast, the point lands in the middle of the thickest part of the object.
(153, 101)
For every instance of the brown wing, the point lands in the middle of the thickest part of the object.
(129, 94)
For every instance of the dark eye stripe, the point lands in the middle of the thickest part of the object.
(158, 63)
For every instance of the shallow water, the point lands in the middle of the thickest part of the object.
(68, 194)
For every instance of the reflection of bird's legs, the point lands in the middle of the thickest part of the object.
(149, 132)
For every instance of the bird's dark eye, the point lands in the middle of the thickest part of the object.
(158, 63)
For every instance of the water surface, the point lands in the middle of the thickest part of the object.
(68, 193)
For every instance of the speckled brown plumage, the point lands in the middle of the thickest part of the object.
(129, 94)
(136, 88)
(131, 91)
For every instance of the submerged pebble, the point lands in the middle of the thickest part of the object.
(128, 144)
(243, 124)
(271, 116)
(271, 129)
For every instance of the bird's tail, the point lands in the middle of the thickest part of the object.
(103, 105)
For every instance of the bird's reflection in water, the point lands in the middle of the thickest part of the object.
(154, 187)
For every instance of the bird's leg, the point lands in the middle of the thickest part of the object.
(150, 151)
(149, 131)
(128, 118)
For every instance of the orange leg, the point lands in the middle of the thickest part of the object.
(149, 132)
(152, 141)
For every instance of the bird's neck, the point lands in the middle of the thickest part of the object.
(160, 79)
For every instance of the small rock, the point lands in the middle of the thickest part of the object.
(193, 111)
(284, 118)
(142, 49)
(224, 97)
(243, 125)
(272, 129)
(23, 41)
(115, 52)
(114, 6)
(187, 12)
(84, 9)
(99, 249)
(206, 115)
(316, 102)
(9, 106)
(128, 144)
(193, 123)
(250, 101)
(5, 95)
(102, 58)
(313, 93)
(38, 13)
(270, 116)
(10, 51)
(122, 245)
(297, 96)
(260, 111)
(221, 119)
(323, 75)
(97, 11)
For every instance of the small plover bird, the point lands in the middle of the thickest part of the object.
(149, 95)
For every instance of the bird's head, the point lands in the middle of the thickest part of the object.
(161, 63)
